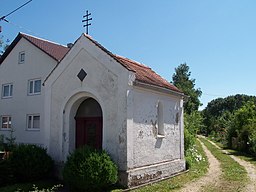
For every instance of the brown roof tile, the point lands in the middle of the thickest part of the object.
(54, 50)
(146, 75)
(143, 73)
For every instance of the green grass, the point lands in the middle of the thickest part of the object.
(197, 170)
(234, 176)
(29, 186)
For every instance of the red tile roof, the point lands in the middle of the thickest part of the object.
(54, 50)
(143, 73)
(146, 75)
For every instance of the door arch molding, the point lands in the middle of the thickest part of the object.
(68, 122)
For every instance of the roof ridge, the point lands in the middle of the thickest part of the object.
(106, 50)
(42, 39)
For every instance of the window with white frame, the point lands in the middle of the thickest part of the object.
(6, 122)
(7, 90)
(33, 122)
(21, 57)
(34, 86)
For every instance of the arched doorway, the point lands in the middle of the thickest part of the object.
(89, 124)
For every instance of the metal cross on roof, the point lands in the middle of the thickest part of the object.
(86, 20)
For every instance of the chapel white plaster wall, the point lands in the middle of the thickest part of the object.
(106, 81)
(148, 148)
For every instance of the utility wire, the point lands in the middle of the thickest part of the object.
(3, 17)
(23, 28)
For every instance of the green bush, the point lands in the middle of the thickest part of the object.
(189, 161)
(189, 139)
(1, 142)
(252, 142)
(36, 189)
(31, 162)
(6, 173)
(192, 124)
(88, 169)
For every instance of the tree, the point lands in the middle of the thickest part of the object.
(181, 79)
(222, 109)
(243, 127)
(3, 44)
(192, 118)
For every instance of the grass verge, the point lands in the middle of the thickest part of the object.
(26, 187)
(234, 176)
(198, 169)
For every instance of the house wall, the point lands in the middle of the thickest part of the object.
(37, 65)
(106, 82)
(155, 156)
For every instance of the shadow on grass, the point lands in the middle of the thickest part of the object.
(242, 154)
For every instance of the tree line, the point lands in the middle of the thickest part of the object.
(230, 120)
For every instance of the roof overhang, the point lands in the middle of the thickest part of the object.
(158, 88)
(9, 48)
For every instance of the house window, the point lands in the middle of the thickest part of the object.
(34, 86)
(160, 119)
(33, 122)
(21, 57)
(7, 90)
(6, 122)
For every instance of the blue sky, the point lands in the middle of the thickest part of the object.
(216, 38)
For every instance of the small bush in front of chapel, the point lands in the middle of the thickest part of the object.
(89, 169)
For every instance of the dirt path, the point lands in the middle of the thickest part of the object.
(250, 169)
(211, 178)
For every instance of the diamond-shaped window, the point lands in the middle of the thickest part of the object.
(81, 75)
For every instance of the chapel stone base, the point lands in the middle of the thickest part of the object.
(151, 173)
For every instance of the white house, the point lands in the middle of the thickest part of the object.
(64, 97)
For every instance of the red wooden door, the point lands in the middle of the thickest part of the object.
(89, 132)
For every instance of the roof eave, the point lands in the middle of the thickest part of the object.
(158, 88)
(10, 47)
(14, 43)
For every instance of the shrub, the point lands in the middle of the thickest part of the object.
(189, 140)
(189, 161)
(252, 142)
(88, 169)
(6, 173)
(36, 189)
(192, 123)
(30, 163)
(11, 144)
(1, 142)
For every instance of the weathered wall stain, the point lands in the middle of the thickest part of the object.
(139, 179)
